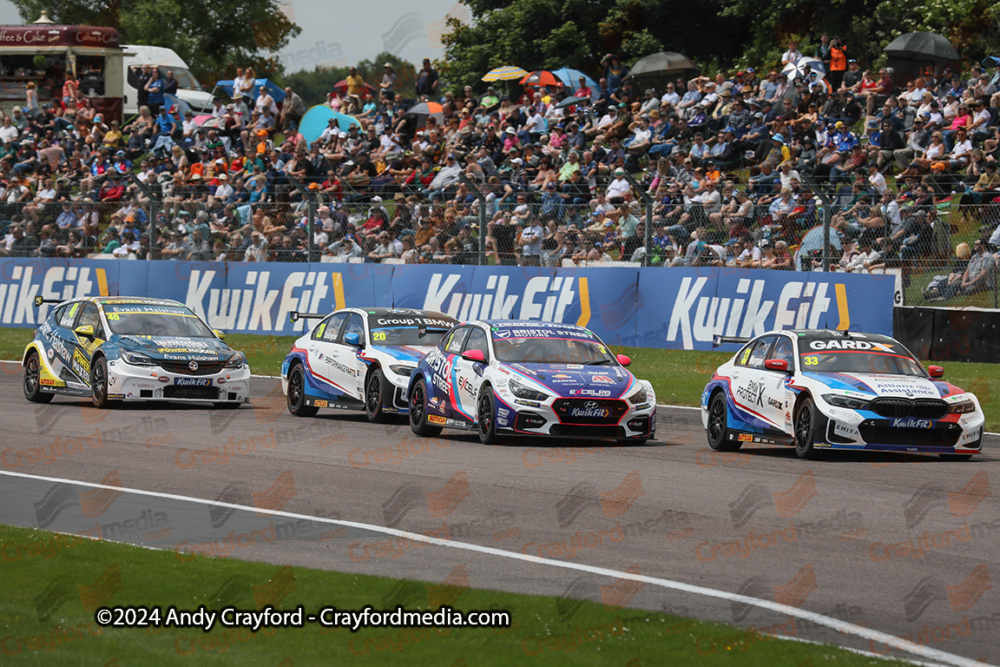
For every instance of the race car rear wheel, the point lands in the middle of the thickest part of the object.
(99, 384)
(33, 380)
(806, 422)
(718, 431)
(418, 412)
(374, 400)
(297, 394)
(485, 416)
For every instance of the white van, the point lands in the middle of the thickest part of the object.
(188, 88)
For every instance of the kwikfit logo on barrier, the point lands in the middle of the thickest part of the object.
(802, 304)
(19, 289)
(251, 308)
(544, 297)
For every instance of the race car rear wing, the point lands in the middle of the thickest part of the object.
(721, 340)
(39, 300)
(295, 316)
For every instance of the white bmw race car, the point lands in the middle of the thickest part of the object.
(822, 390)
(529, 378)
(359, 359)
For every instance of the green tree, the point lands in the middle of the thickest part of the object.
(213, 37)
(548, 34)
(313, 85)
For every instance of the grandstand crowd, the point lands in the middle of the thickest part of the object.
(736, 166)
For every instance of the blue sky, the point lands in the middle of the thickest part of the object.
(342, 34)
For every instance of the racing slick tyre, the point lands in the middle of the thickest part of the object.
(418, 413)
(718, 433)
(99, 384)
(484, 416)
(375, 387)
(226, 405)
(33, 380)
(297, 394)
(806, 423)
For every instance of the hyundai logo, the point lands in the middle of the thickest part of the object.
(193, 365)
(591, 405)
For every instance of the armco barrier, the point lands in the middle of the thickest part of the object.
(672, 308)
(946, 334)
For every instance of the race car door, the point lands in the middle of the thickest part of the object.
(84, 346)
(468, 374)
(752, 384)
(353, 368)
(62, 342)
(778, 397)
(322, 350)
(458, 402)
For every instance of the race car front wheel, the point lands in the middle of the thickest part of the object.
(806, 423)
(484, 416)
(418, 412)
(297, 394)
(99, 384)
(33, 380)
(718, 431)
(374, 389)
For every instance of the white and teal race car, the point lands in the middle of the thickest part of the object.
(359, 359)
(822, 390)
(115, 348)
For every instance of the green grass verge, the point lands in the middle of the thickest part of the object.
(679, 376)
(65, 585)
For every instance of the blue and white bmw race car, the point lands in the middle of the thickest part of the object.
(114, 349)
(529, 378)
(359, 359)
(820, 390)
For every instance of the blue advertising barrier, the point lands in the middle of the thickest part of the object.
(664, 308)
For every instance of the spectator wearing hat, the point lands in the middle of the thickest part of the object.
(883, 145)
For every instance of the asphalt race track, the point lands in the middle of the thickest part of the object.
(904, 545)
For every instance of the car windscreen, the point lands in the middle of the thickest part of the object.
(155, 320)
(878, 362)
(551, 350)
(407, 335)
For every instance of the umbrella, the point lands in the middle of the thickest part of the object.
(421, 112)
(813, 240)
(180, 105)
(798, 69)
(922, 46)
(318, 118)
(341, 87)
(541, 78)
(570, 101)
(655, 69)
(210, 122)
(571, 77)
(506, 73)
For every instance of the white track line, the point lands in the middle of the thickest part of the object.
(843, 627)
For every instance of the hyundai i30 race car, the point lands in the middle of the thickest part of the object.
(820, 390)
(359, 359)
(132, 349)
(529, 378)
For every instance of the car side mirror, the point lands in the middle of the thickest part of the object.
(935, 371)
(474, 355)
(221, 334)
(84, 331)
(353, 339)
(779, 365)
(624, 360)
